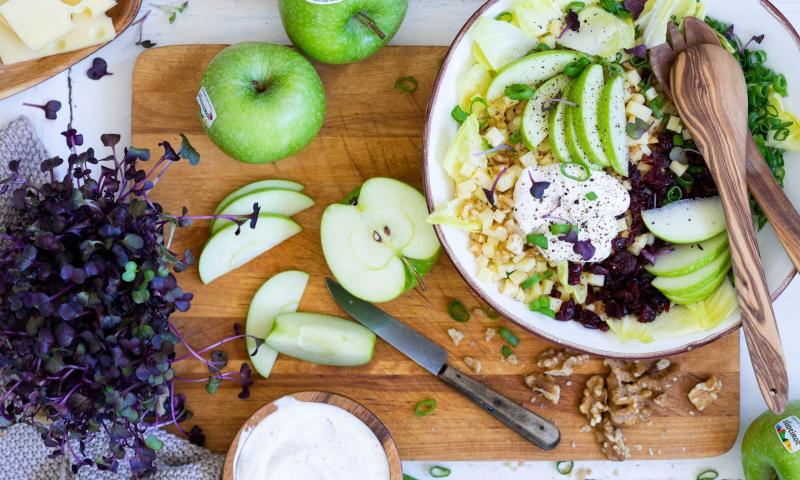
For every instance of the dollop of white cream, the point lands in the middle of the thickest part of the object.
(309, 441)
(592, 205)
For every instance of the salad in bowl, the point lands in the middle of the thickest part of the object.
(565, 186)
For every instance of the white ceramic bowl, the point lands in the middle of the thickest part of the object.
(751, 17)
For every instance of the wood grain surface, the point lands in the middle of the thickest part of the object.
(19, 76)
(711, 96)
(372, 129)
(351, 406)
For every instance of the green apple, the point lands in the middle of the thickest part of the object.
(226, 251)
(377, 242)
(611, 122)
(698, 285)
(279, 294)
(586, 93)
(259, 185)
(770, 445)
(535, 127)
(261, 102)
(557, 127)
(531, 70)
(576, 153)
(687, 221)
(684, 259)
(341, 31)
(271, 200)
(322, 339)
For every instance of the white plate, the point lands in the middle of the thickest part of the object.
(751, 17)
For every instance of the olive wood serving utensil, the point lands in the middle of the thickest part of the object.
(709, 90)
(763, 186)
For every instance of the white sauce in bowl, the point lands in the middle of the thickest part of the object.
(592, 205)
(309, 441)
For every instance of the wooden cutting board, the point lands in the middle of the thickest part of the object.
(372, 129)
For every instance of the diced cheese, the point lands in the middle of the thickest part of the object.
(678, 168)
(38, 22)
(87, 33)
(632, 77)
(494, 136)
(674, 124)
(686, 134)
(639, 111)
(650, 93)
(527, 160)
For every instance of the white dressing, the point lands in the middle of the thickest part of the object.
(309, 441)
(591, 205)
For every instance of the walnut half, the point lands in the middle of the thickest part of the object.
(545, 385)
(595, 400)
(705, 393)
(560, 363)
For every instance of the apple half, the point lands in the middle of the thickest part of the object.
(377, 242)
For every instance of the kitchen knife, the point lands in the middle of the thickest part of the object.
(433, 358)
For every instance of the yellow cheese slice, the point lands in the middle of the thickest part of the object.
(87, 32)
(89, 8)
(38, 22)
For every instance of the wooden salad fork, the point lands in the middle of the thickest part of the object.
(709, 90)
(763, 186)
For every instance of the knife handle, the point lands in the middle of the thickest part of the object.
(530, 426)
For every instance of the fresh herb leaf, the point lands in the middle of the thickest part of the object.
(637, 128)
(538, 239)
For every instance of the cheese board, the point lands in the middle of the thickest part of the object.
(372, 129)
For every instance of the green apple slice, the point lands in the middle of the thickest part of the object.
(611, 124)
(602, 33)
(687, 221)
(531, 70)
(271, 200)
(535, 126)
(698, 285)
(322, 339)
(259, 185)
(685, 259)
(225, 251)
(586, 93)
(279, 294)
(557, 127)
(576, 153)
(379, 244)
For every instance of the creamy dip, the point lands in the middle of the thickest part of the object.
(309, 441)
(590, 206)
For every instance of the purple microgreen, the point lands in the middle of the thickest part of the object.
(550, 103)
(569, 237)
(187, 151)
(639, 51)
(585, 249)
(755, 38)
(141, 42)
(172, 10)
(571, 22)
(98, 70)
(537, 188)
(637, 128)
(636, 7)
(502, 146)
(50, 108)
(490, 193)
(73, 138)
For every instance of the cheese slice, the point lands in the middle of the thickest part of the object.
(87, 32)
(38, 22)
(89, 8)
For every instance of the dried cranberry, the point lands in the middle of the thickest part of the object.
(574, 273)
(623, 263)
(567, 311)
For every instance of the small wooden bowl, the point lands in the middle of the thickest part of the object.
(19, 76)
(354, 408)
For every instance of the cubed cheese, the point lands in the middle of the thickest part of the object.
(632, 77)
(527, 160)
(674, 124)
(494, 136)
(650, 93)
(678, 168)
(639, 111)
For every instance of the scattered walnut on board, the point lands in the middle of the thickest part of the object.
(705, 393)
(489, 334)
(595, 400)
(456, 335)
(560, 363)
(474, 364)
(545, 385)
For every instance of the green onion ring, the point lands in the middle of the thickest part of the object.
(674, 193)
(509, 336)
(686, 181)
(565, 467)
(519, 91)
(458, 311)
(570, 176)
(505, 16)
(458, 114)
(408, 477)
(423, 408)
(437, 471)
(709, 474)
(406, 84)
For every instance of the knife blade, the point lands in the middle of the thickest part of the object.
(433, 358)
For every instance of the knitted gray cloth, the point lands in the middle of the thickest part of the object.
(23, 455)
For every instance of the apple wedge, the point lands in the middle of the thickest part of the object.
(271, 200)
(557, 128)
(225, 251)
(698, 285)
(259, 185)
(611, 124)
(685, 259)
(586, 93)
(687, 221)
(379, 244)
(576, 153)
(322, 339)
(535, 127)
(531, 70)
(279, 294)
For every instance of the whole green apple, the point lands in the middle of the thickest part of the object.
(261, 102)
(771, 446)
(342, 31)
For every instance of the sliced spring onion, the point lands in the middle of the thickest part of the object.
(686, 181)
(542, 305)
(677, 140)
(492, 313)
(560, 228)
(437, 471)
(576, 6)
(565, 467)
(530, 281)
(538, 239)
(519, 91)
(566, 173)
(505, 16)
(506, 351)
(542, 47)
(459, 115)
(458, 311)
(406, 84)
(674, 193)
(709, 474)
(509, 336)
(515, 138)
(408, 477)
(423, 408)
(482, 101)
(577, 67)
(591, 196)
(656, 105)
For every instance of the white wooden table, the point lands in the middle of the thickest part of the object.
(104, 106)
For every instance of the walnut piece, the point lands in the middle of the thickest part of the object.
(560, 363)
(545, 385)
(455, 335)
(474, 364)
(595, 400)
(489, 334)
(705, 393)
(612, 441)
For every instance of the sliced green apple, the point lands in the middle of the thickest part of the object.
(685, 259)
(602, 33)
(322, 339)
(687, 221)
(576, 153)
(531, 70)
(535, 127)
(611, 124)
(698, 285)
(500, 42)
(586, 93)
(279, 294)
(271, 200)
(259, 185)
(557, 128)
(225, 251)
(379, 244)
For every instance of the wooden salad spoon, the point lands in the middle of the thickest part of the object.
(709, 90)
(763, 186)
